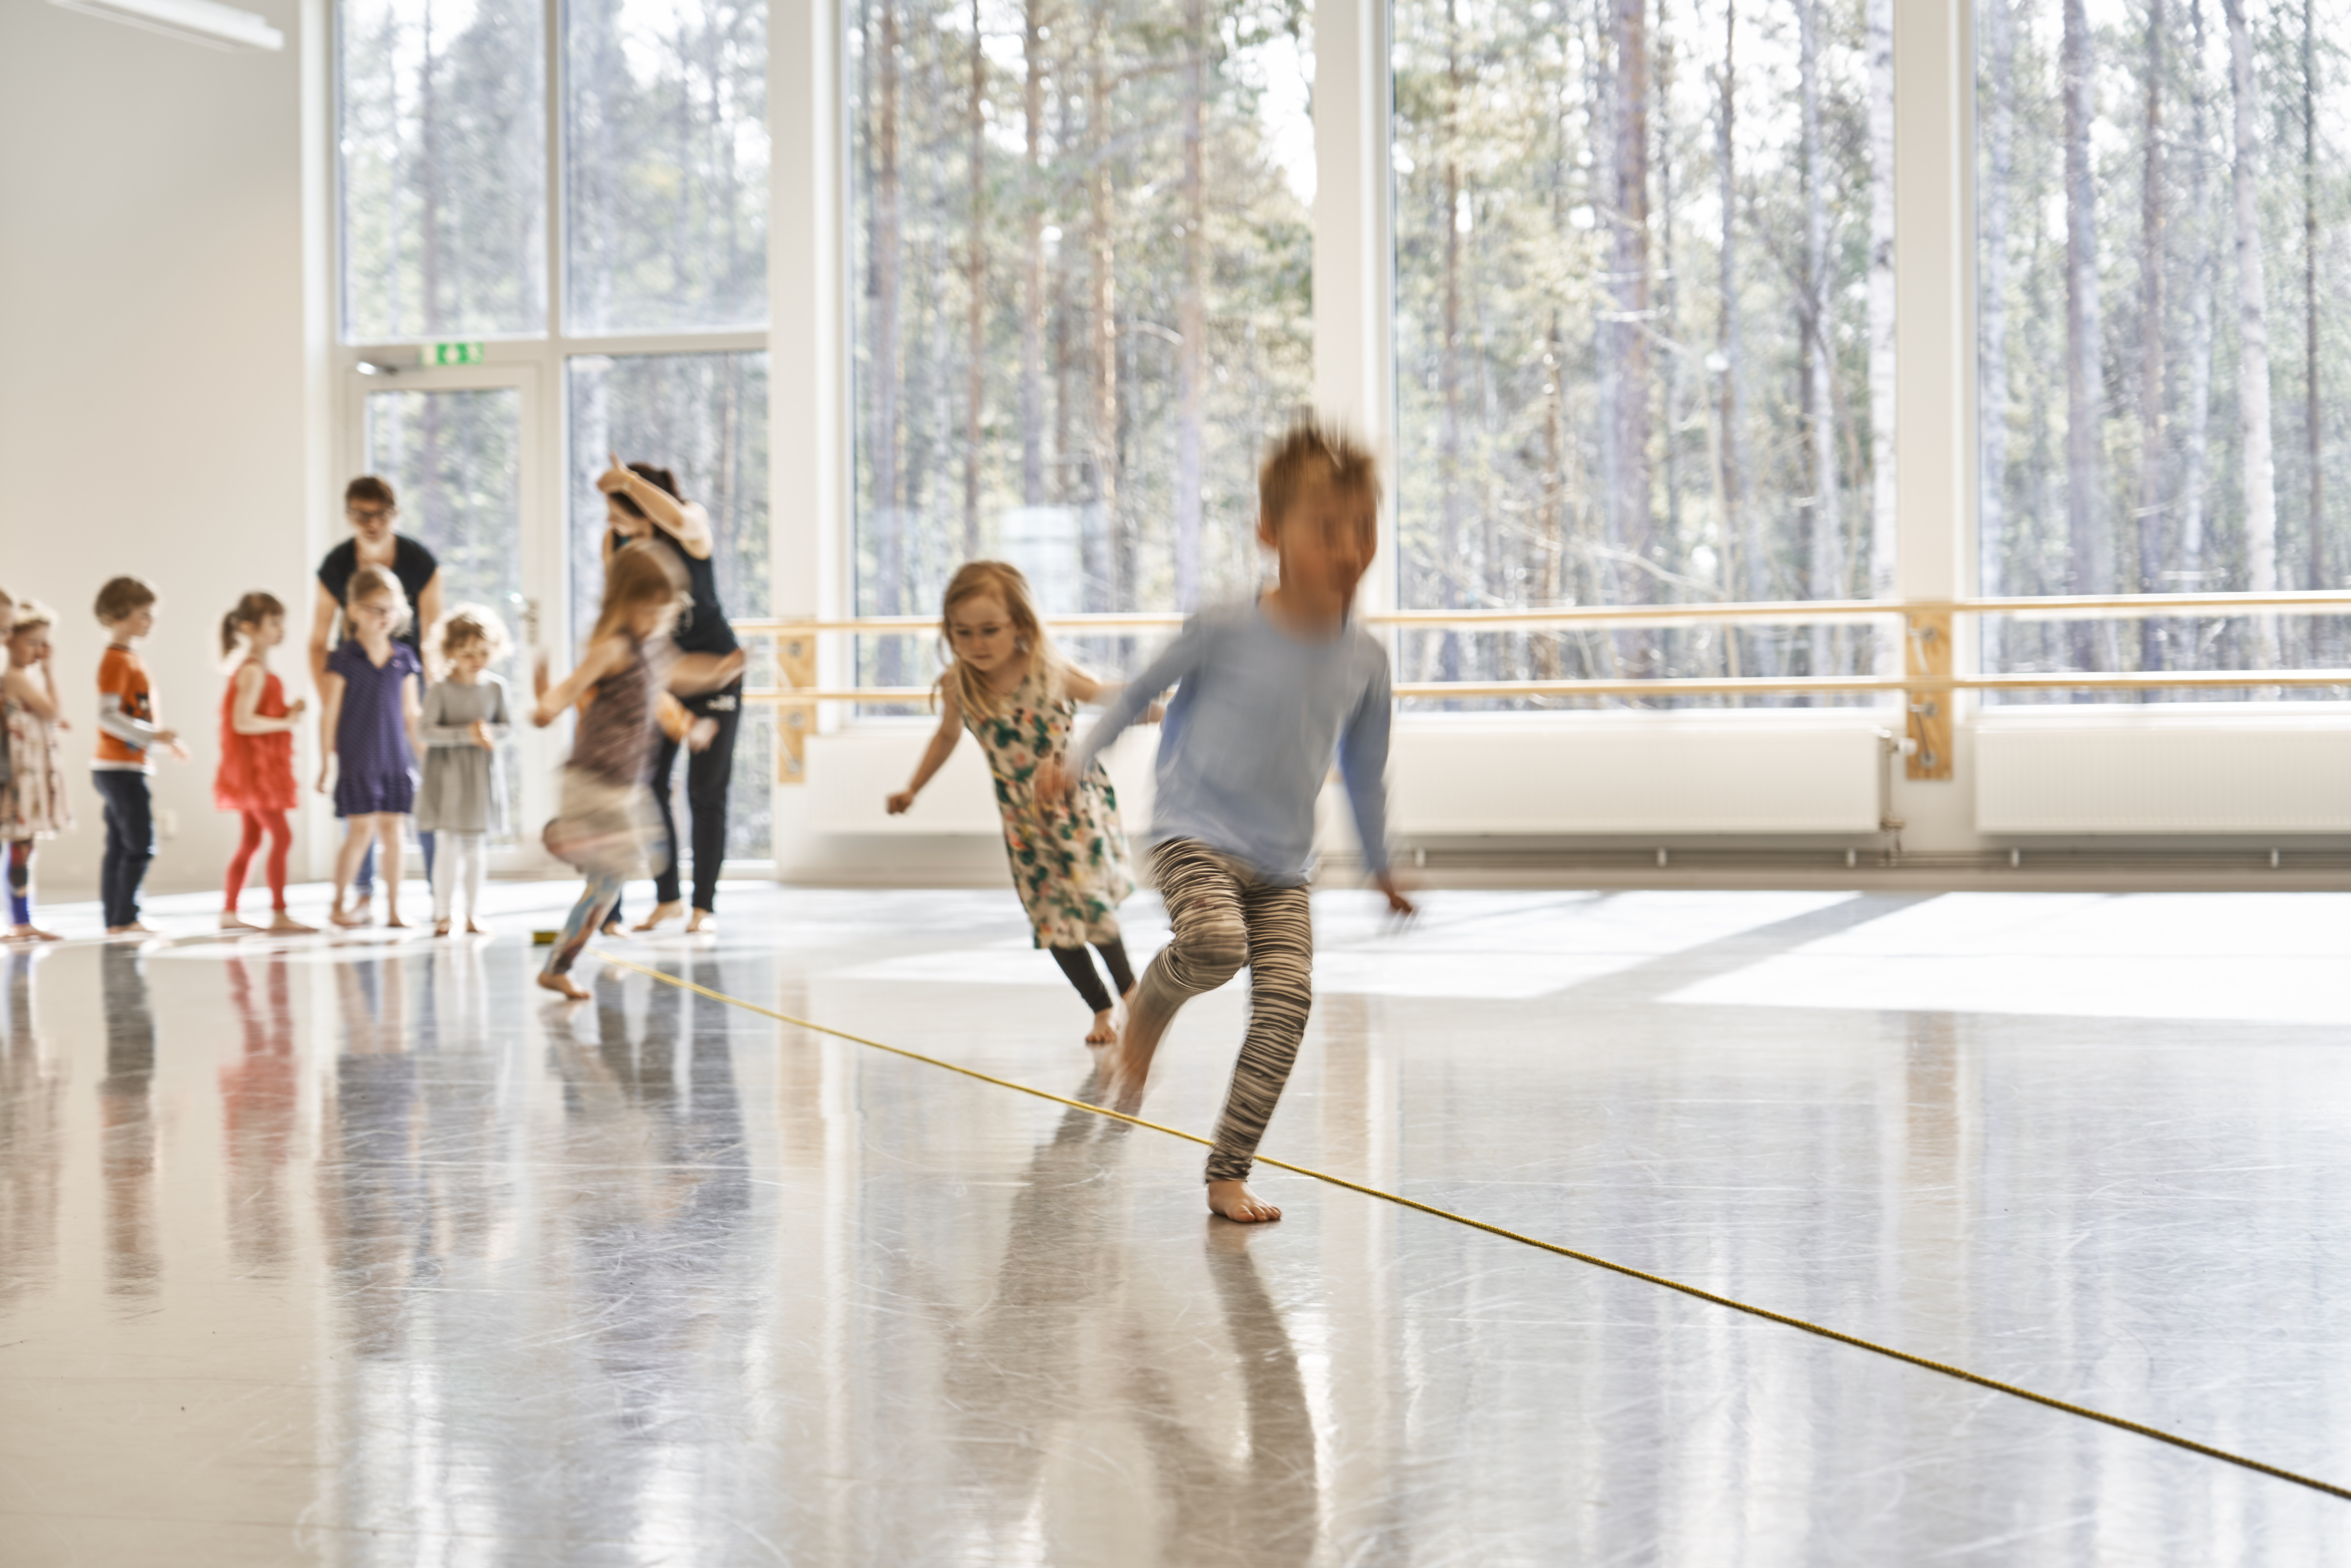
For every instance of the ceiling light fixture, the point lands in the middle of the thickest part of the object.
(207, 21)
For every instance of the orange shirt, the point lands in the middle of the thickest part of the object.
(126, 713)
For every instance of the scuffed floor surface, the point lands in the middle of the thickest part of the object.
(354, 1251)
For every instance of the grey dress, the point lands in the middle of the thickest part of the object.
(465, 787)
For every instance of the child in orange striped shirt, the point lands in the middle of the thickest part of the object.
(127, 732)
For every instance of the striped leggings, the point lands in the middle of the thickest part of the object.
(1225, 917)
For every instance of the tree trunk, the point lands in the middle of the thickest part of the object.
(2151, 249)
(1881, 318)
(1449, 369)
(1629, 501)
(2196, 456)
(1192, 317)
(1827, 563)
(1101, 249)
(2253, 342)
(1742, 526)
(1675, 546)
(887, 241)
(1992, 342)
(2314, 427)
(2090, 541)
(1034, 303)
(976, 294)
(1551, 534)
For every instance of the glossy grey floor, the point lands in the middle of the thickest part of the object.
(352, 1251)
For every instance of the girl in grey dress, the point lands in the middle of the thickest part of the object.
(463, 799)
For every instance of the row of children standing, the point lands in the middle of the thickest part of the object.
(374, 708)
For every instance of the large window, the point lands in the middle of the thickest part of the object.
(448, 197)
(1644, 329)
(2166, 295)
(1082, 252)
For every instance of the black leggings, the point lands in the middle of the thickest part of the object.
(708, 772)
(1081, 970)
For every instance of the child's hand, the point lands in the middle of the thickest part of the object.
(481, 734)
(298, 707)
(1053, 783)
(538, 682)
(899, 802)
(542, 715)
(1397, 902)
(700, 733)
(322, 778)
(173, 745)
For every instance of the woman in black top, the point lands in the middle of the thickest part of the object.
(641, 502)
(368, 504)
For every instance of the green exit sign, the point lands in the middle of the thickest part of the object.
(451, 354)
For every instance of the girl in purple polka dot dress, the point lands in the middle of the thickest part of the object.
(369, 705)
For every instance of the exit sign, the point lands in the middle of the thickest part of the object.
(451, 354)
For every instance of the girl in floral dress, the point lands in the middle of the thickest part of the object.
(1017, 695)
(34, 807)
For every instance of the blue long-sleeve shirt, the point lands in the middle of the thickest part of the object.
(1249, 736)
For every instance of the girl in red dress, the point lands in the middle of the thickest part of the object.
(257, 766)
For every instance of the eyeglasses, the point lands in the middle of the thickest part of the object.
(368, 514)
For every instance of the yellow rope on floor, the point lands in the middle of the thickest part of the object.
(1964, 1376)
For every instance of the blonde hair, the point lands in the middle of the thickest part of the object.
(969, 686)
(374, 583)
(638, 574)
(462, 624)
(30, 615)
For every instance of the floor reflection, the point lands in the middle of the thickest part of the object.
(456, 1277)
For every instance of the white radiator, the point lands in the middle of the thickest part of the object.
(2279, 768)
(1645, 773)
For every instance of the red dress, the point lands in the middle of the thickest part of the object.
(257, 771)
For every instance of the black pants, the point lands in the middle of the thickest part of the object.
(1080, 971)
(708, 772)
(130, 841)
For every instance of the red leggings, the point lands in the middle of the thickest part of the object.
(281, 839)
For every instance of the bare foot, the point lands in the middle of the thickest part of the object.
(611, 928)
(662, 912)
(1126, 1065)
(135, 928)
(702, 923)
(1234, 1200)
(1105, 1029)
(284, 924)
(440, 928)
(357, 915)
(563, 986)
(391, 918)
(34, 934)
(473, 929)
(236, 923)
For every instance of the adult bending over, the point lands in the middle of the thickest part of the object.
(641, 502)
(371, 510)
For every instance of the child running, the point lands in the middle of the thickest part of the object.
(256, 778)
(606, 819)
(1264, 693)
(1015, 693)
(368, 708)
(33, 807)
(127, 733)
(463, 797)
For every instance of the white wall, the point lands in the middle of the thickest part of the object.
(153, 413)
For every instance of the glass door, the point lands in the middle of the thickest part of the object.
(459, 446)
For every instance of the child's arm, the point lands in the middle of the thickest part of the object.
(487, 732)
(244, 716)
(1084, 688)
(1364, 769)
(330, 718)
(432, 725)
(604, 656)
(935, 755)
(38, 697)
(691, 673)
(411, 710)
(1055, 778)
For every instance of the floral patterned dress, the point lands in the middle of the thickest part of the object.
(1069, 865)
(33, 805)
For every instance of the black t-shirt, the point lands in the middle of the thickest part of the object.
(411, 563)
(703, 627)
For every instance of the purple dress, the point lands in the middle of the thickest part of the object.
(375, 771)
